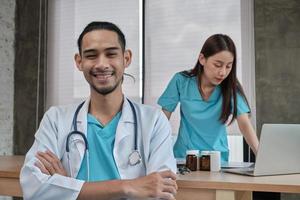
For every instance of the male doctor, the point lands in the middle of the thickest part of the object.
(115, 167)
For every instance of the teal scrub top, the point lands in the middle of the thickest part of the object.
(101, 144)
(200, 127)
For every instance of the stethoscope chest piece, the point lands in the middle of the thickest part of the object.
(134, 158)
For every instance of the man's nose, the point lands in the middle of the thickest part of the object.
(102, 62)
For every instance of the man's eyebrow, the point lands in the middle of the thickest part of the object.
(89, 51)
(112, 48)
(94, 50)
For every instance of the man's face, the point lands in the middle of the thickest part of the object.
(102, 61)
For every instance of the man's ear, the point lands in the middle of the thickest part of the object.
(201, 59)
(78, 60)
(127, 57)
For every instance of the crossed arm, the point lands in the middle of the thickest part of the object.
(155, 185)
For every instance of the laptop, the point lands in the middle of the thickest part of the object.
(278, 152)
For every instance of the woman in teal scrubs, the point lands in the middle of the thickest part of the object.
(211, 98)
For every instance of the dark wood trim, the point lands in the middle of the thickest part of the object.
(30, 70)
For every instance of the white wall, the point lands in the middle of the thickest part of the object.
(66, 20)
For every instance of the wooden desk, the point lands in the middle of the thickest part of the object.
(10, 167)
(219, 185)
(192, 186)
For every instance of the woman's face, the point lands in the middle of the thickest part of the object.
(216, 67)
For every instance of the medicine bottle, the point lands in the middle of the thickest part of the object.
(204, 161)
(215, 161)
(192, 159)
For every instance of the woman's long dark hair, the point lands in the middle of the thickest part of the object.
(229, 86)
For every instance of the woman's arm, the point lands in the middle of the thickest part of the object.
(248, 132)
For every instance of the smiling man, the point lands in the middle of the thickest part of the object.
(108, 147)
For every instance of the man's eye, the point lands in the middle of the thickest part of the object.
(90, 56)
(111, 54)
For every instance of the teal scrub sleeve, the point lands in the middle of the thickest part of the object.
(242, 106)
(171, 96)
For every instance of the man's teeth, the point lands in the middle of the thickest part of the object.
(103, 74)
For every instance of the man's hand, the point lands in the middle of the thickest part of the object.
(156, 185)
(49, 163)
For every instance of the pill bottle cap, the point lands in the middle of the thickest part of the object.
(192, 152)
(215, 152)
(205, 152)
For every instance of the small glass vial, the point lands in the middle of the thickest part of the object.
(192, 159)
(204, 161)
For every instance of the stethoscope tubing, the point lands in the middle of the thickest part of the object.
(75, 131)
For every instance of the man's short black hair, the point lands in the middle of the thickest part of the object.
(99, 25)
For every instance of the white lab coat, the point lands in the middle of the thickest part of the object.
(154, 144)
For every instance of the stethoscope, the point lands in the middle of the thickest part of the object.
(134, 157)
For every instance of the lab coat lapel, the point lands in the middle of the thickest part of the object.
(77, 139)
(124, 139)
(126, 123)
